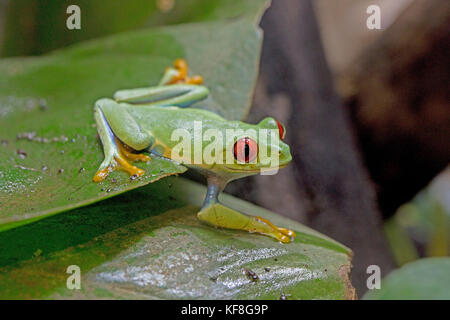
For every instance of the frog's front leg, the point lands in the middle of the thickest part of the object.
(117, 130)
(179, 74)
(216, 214)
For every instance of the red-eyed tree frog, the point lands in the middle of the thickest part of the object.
(152, 120)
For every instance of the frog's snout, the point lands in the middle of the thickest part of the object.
(284, 155)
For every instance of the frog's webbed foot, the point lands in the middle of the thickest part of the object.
(120, 159)
(130, 155)
(221, 216)
(179, 74)
(287, 232)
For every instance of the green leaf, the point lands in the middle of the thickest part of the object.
(148, 243)
(50, 150)
(423, 222)
(98, 19)
(423, 279)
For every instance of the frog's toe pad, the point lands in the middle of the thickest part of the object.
(181, 67)
(282, 234)
(138, 157)
(124, 165)
(195, 80)
(101, 175)
(120, 164)
(287, 232)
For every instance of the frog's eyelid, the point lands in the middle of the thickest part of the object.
(281, 130)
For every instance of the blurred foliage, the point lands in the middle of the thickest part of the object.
(421, 228)
(419, 280)
(33, 27)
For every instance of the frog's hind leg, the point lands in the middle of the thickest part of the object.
(174, 89)
(107, 114)
(216, 214)
(180, 95)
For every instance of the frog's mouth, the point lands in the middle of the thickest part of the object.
(233, 169)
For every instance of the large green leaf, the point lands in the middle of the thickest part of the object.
(423, 222)
(100, 19)
(423, 279)
(148, 243)
(50, 150)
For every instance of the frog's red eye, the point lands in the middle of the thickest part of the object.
(245, 150)
(281, 130)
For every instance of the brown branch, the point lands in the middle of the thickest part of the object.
(331, 179)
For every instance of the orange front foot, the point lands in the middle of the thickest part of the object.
(181, 66)
(121, 161)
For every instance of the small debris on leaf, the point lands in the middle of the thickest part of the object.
(251, 275)
(31, 136)
(22, 154)
(24, 168)
(43, 107)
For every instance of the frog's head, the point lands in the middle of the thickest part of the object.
(258, 148)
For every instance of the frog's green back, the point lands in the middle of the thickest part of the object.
(162, 121)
